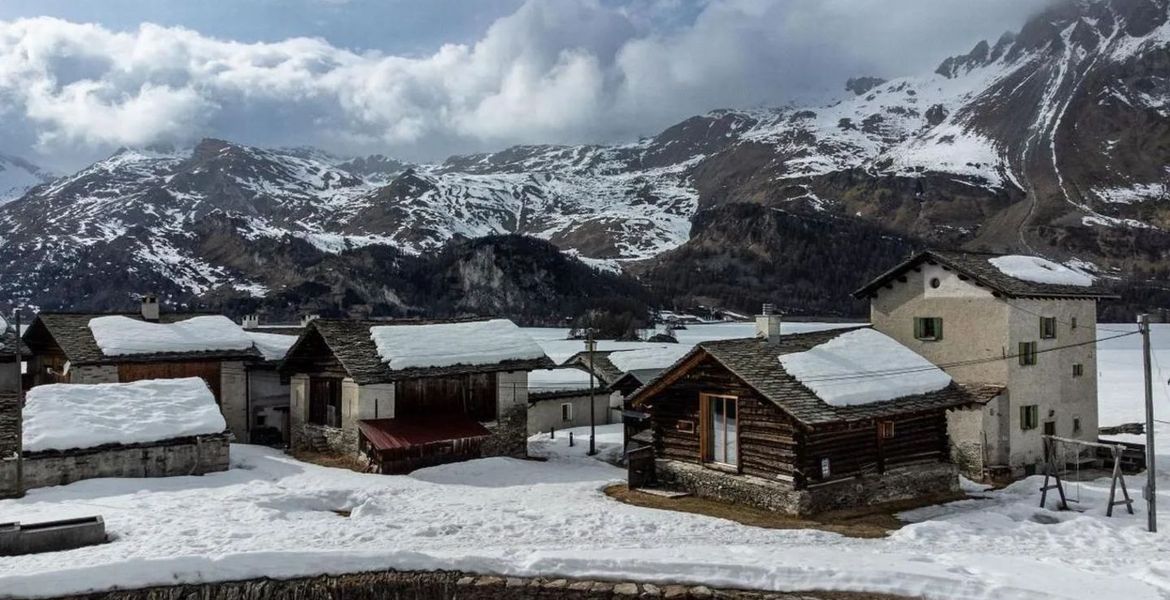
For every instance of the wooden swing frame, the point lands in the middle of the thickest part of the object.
(1051, 472)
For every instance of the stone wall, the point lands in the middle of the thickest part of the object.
(445, 585)
(509, 435)
(180, 456)
(233, 393)
(10, 446)
(322, 438)
(965, 429)
(901, 483)
(94, 374)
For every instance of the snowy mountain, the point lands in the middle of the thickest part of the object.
(1053, 140)
(17, 176)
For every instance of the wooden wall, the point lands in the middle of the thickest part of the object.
(208, 370)
(769, 440)
(473, 395)
(856, 447)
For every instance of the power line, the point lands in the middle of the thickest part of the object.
(1071, 326)
(963, 363)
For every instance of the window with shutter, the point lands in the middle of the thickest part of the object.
(1047, 328)
(928, 328)
(1027, 353)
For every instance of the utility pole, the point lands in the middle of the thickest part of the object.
(1151, 480)
(19, 409)
(590, 346)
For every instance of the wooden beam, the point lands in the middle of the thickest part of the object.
(666, 380)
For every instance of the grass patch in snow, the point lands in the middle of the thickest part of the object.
(867, 522)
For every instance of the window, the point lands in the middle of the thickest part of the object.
(928, 328)
(1050, 428)
(1029, 417)
(261, 420)
(567, 412)
(721, 434)
(325, 401)
(1047, 328)
(1027, 354)
(1073, 323)
(935, 283)
(1078, 370)
(885, 429)
(685, 426)
(1076, 424)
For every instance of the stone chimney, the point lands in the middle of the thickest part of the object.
(305, 320)
(250, 322)
(768, 324)
(150, 307)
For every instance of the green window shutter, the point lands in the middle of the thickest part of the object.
(1023, 356)
(938, 328)
(918, 328)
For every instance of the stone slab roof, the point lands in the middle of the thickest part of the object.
(8, 342)
(975, 265)
(755, 362)
(354, 348)
(72, 334)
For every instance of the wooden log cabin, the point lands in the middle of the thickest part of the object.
(436, 392)
(65, 350)
(729, 422)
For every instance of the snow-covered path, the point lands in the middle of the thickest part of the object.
(272, 515)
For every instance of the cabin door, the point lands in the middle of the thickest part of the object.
(720, 429)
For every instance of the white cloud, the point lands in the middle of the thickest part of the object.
(553, 71)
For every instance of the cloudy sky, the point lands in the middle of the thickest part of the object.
(422, 79)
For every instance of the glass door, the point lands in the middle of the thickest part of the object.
(723, 430)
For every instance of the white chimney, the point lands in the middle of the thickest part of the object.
(150, 307)
(768, 324)
(250, 322)
(305, 320)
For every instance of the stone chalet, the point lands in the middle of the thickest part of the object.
(64, 350)
(1022, 323)
(434, 392)
(729, 421)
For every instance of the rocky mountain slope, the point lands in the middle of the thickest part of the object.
(1053, 140)
(18, 176)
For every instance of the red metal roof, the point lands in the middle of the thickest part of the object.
(391, 434)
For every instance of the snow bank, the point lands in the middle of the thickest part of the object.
(649, 358)
(447, 344)
(64, 416)
(1039, 270)
(559, 380)
(272, 345)
(861, 367)
(117, 335)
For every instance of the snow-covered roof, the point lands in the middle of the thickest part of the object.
(118, 335)
(66, 416)
(272, 345)
(1040, 270)
(406, 346)
(862, 367)
(563, 379)
(648, 358)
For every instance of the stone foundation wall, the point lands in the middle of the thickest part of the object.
(10, 443)
(182, 456)
(321, 438)
(509, 435)
(901, 483)
(445, 585)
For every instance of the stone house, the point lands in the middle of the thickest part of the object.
(407, 394)
(65, 350)
(560, 398)
(1021, 323)
(733, 421)
(10, 411)
(268, 390)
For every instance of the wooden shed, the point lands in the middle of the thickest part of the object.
(729, 421)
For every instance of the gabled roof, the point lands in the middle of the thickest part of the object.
(8, 342)
(351, 344)
(602, 367)
(71, 332)
(755, 362)
(975, 266)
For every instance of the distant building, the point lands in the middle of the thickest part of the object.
(10, 411)
(560, 398)
(1018, 322)
(410, 394)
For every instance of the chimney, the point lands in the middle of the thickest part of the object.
(250, 322)
(768, 324)
(305, 320)
(150, 307)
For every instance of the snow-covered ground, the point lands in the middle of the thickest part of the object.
(273, 515)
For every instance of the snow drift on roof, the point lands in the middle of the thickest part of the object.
(861, 367)
(272, 345)
(117, 335)
(64, 416)
(559, 380)
(448, 344)
(1039, 270)
(649, 358)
